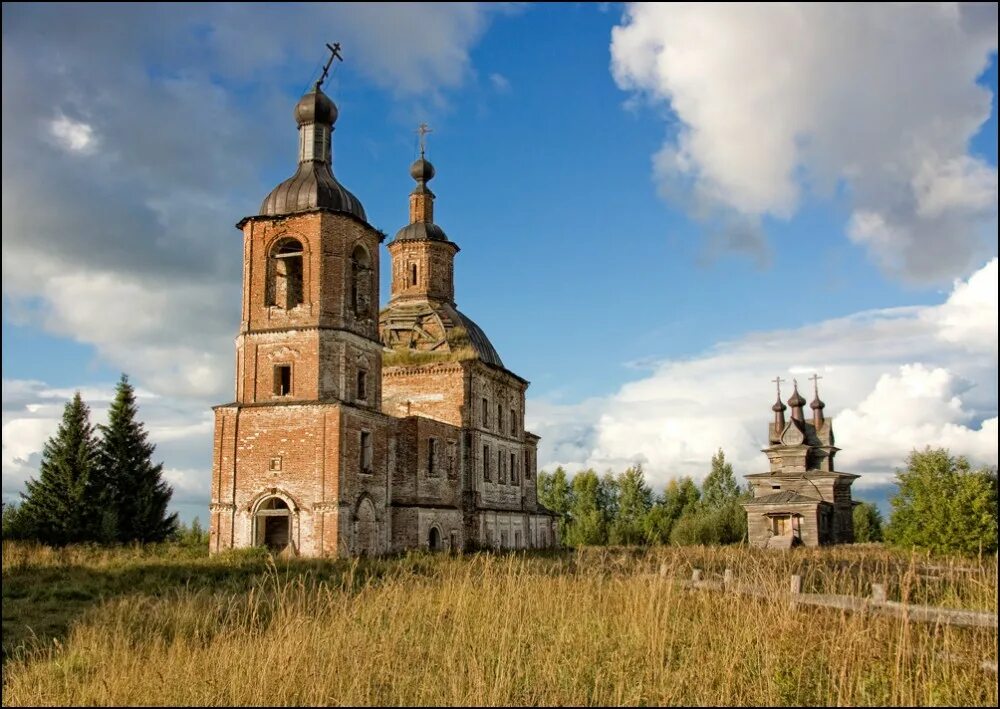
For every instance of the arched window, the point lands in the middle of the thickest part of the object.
(361, 281)
(284, 274)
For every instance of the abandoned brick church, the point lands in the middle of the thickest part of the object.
(356, 431)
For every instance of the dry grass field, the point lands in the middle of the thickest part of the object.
(601, 626)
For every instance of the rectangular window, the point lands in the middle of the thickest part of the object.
(452, 459)
(501, 473)
(513, 468)
(513, 423)
(486, 413)
(362, 385)
(486, 463)
(366, 452)
(500, 417)
(276, 463)
(527, 465)
(283, 380)
(431, 456)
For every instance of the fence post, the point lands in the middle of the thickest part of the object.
(878, 593)
(727, 580)
(795, 588)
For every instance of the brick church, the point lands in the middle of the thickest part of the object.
(354, 430)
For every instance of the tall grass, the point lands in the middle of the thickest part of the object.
(595, 627)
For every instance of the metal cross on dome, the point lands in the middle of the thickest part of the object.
(777, 383)
(422, 131)
(334, 54)
(815, 380)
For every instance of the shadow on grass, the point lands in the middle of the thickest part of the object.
(42, 601)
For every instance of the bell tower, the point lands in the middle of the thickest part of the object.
(301, 455)
(309, 328)
(423, 259)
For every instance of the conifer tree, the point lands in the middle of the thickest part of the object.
(59, 508)
(134, 493)
(720, 486)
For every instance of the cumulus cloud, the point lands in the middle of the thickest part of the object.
(893, 380)
(132, 149)
(774, 102)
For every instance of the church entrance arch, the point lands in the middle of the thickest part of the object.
(273, 524)
(434, 539)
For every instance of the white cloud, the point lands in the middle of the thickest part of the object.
(501, 84)
(893, 380)
(75, 136)
(133, 250)
(774, 102)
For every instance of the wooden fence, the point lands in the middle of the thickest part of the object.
(876, 603)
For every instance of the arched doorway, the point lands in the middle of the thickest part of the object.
(434, 539)
(273, 524)
(366, 529)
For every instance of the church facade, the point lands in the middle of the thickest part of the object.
(356, 430)
(802, 499)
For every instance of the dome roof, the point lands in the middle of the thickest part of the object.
(422, 170)
(796, 400)
(435, 328)
(479, 341)
(778, 406)
(421, 231)
(817, 403)
(315, 107)
(312, 186)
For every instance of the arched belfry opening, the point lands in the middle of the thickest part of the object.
(361, 281)
(273, 524)
(284, 274)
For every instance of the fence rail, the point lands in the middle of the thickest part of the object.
(877, 602)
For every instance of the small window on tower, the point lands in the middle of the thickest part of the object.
(486, 412)
(527, 465)
(362, 385)
(486, 463)
(431, 456)
(283, 380)
(413, 274)
(501, 470)
(499, 417)
(513, 468)
(513, 423)
(276, 464)
(366, 452)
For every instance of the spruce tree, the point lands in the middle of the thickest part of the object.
(59, 508)
(720, 486)
(135, 494)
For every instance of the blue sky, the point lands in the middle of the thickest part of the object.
(546, 123)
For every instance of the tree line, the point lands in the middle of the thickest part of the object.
(95, 483)
(942, 504)
(623, 510)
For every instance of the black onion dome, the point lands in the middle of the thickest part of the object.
(778, 406)
(421, 231)
(817, 403)
(312, 186)
(315, 107)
